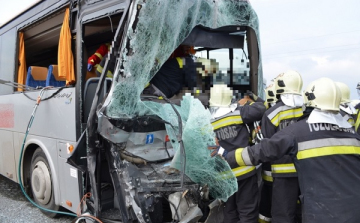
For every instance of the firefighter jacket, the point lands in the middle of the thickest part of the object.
(349, 118)
(275, 119)
(175, 74)
(232, 132)
(357, 119)
(327, 159)
(96, 58)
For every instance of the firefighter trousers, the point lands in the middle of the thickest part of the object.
(285, 194)
(242, 207)
(265, 202)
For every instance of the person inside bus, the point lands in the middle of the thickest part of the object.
(177, 72)
(98, 59)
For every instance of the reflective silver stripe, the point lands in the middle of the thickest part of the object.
(279, 109)
(246, 157)
(267, 173)
(264, 219)
(327, 142)
(283, 168)
(287, 114)
(234, 113)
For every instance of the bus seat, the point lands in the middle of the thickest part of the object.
(53, 78)
(36, 76)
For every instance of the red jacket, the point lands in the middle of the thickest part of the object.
(99, 54)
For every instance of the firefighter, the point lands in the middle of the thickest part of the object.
(286, 111)
(270, 100)
(357, 116)
(177, 72)
(98, 59)
(347, 110)
(326, 152)
(266, 188)
(230, 126)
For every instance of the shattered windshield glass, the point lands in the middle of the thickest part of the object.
(151, 36)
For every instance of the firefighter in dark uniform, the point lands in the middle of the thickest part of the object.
(177, 72)
(230, 126)
(266, 188)
(357, 116)
(326, 152)
(286, 111)
(347, 110)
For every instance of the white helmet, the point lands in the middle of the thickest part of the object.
(323, 94)
(270, 93)
(203, 66)
(220, 95)
(289, 82)
(345, 92)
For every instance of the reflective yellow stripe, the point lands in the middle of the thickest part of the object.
(238, 157)
(357, 123)
(232, 120)
(283, 168)
(266, 175)
(263, 219)
(99, 69)
(147, 85)
(180, 62)
(236, 172)
(351, 121)
(99, 55)
(266, 105)
(239, 171)
(288, 114)
(267, 178)
(327, 151)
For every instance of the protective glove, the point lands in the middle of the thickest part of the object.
(251, 95)
(89, 67)
(219, 151)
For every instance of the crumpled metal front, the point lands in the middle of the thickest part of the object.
(160, 28)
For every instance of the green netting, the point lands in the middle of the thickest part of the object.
(163, 25)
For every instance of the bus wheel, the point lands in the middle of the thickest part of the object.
(41, 183)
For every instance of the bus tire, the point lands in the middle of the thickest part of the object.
(41, 183)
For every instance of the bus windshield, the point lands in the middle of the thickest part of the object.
(214, 27)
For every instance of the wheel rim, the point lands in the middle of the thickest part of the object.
(41, 183)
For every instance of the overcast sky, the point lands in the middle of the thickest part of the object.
(317, 38)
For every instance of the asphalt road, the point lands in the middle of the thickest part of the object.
(14, 207)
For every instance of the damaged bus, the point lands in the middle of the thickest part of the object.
(98, 146)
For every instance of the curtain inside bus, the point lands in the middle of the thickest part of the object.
(22, 61)
(65, 56)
